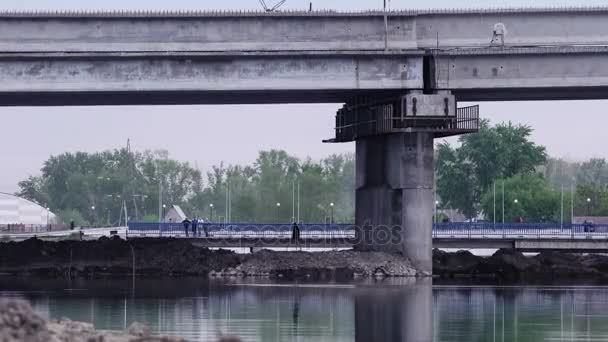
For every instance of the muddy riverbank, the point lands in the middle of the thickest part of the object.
(175, 257)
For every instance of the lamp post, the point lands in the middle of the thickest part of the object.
(164, 207)
(211, 210)
(278, 207)
(47, 216)
(436, 218)
(331, 220)
(588, 205)
(516, 201)
(93, 214)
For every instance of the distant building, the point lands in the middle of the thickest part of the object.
(17, 210)
(175, 214)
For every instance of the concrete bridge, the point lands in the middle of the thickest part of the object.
(400, 75)
(80, 58)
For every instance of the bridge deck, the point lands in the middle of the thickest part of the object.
(114, 58)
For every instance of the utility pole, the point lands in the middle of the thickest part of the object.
(160, 197)
(298, 202)
(561, 224)
(572, 202)
(503, 202)
(495, 203)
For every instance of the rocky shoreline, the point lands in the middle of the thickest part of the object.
(174, 257)
(19, 322)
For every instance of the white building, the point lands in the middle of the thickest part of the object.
(175, 214)
(16, 210)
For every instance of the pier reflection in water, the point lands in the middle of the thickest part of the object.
(389, 310)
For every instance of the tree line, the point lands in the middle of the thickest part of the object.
(95, 188)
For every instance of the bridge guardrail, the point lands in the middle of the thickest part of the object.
(340, 230)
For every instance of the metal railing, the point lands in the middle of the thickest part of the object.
(499, 230)
(339, 230)
(31, 228)
(387, 118)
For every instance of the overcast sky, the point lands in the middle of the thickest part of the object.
(574, 130)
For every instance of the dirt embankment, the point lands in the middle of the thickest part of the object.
(175, 257)
(509, 265)
(111, 256)
(156, 257)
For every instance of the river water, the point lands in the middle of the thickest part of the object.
(389, 310)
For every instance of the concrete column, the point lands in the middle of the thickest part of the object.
(394, 197)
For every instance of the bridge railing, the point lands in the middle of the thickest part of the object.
(243, 230)
(335, 230)
(489, 229)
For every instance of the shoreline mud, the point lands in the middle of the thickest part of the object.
(175, 257)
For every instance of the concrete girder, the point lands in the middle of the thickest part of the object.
(523, 74)
(298, 31)
(158, 79)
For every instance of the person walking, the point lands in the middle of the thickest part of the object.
(194, 226)
(186, 224)
(205, 229)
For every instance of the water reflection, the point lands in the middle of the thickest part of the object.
(390, 310)
(400, 312)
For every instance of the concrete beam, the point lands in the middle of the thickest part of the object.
(296, 31)
(524, 74)
(185, 78)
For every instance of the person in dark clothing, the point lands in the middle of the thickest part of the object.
(186, 224)
(194, 226)
(206, 229)
(72, 225)
(295, 234)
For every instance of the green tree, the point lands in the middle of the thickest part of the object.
(527, 196)
(469, 170)
(69, 215)
(590, 200)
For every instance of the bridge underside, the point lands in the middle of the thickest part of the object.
(162, 97)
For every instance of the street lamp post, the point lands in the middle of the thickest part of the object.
(164, 207)
(516, 201)
(436, 218)
(331, 220)
(211, 215)
(588, 205)
(278, 207)
(93, 214)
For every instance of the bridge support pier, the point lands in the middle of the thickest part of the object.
(395, 173)
(394, 196)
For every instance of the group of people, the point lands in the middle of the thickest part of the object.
(194, 225)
